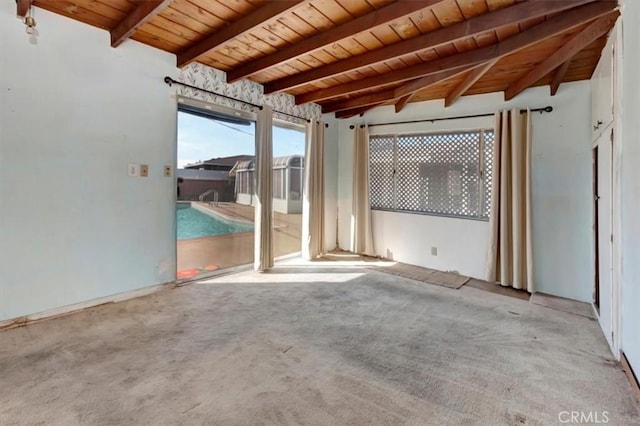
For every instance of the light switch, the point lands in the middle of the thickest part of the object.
(144, 170)
(167, 170)
(133, 170)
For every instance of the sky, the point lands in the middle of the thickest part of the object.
(200, 139)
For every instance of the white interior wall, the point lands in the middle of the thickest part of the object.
(562, 212)
(630, 183)
(74, 113)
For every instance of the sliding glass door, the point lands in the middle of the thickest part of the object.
(288, 187)
(215, 191)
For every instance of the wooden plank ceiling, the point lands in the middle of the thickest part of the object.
(352, 55)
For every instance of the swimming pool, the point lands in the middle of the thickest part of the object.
(192, 223)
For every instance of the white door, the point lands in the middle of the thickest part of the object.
(603, 228)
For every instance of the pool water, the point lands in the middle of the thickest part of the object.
(192, 223)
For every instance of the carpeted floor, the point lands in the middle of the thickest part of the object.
(324, 344)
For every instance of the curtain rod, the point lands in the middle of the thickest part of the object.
(171, 81)
(433, 120)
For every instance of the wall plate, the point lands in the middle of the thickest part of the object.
(133, 170)
(144, 170)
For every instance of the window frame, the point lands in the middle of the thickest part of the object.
(484, 204)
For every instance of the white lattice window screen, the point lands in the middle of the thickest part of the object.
(381, 172)
(442, 173)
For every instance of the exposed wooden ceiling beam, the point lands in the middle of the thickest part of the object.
(366, 22)
(429, 80)
(270, 11)
(348, 113)
(23, 7)
(468, 82)
(549, 28)
(558, 77)
(474, 26)
(408, 90)
(361, 101)
(402, 102)
(587, 36)
(142, 14)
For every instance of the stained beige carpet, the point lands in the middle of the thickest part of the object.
(431, 276)
(311, 345)
(564, 305)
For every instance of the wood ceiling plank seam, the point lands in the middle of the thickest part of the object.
(199, 14)
(405, 28)
(105, 10)
(221, 60)
(146, 38)
(253, 43)
(178, 17)
(271, 11)
(241, 8)
(368, 41)
(271, 39)
(353, 7)
(428, 22)
(236, 52)
(297, 66)
(218, 9)
(334, 11)
(90, 17)
(448, 13)
(174, 28)
(572, 19)
(124, 7)
(320, 25)
(164, 34)
(298, 25)
(280, 29)
(193, 9)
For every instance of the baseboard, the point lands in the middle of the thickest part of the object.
(633, 379)
(70, 309)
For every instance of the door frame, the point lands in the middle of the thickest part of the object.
(221, 109)
(608, 137)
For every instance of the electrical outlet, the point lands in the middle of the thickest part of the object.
(144, 170)
(133, 170)
(168, 170)
(434, 251)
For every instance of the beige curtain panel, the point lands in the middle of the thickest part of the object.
(510, 254)
(313, 198)
(361, 234)
(263, 175)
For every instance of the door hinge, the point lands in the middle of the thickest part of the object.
(611, 237)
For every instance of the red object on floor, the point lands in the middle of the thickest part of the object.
(187, 273)
(211, 268)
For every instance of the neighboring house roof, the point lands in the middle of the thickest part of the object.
(191, 174)
(220, 161)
